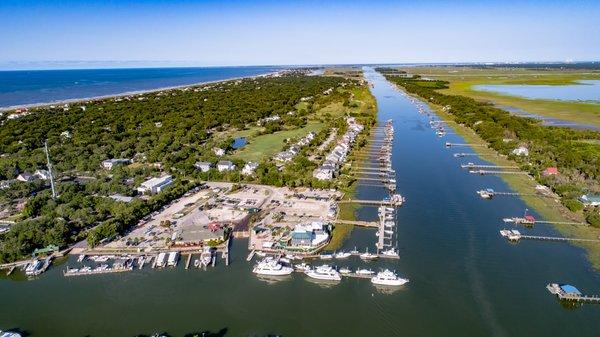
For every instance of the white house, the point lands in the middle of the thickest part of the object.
(203, 166)
(521, 151)
(323, 173)
(249, 168)
(110, 163)
(42, 174)
(218, 151)
(155, 185)
(225, 165)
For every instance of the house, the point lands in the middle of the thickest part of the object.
(155, 185)
(203, 166)
(310, 235)
(42, 174)
(249, 168)
(521, 151)
(590, 200)
(26, 177)
(66, 134)
(218, 151)
(225, 165)
(4, 184)
(322, 173)
(550, 171)
(110, 163)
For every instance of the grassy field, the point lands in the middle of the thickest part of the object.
(462, 81)
(549, 208)
(265, 146)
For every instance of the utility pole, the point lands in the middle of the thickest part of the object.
(49, 164)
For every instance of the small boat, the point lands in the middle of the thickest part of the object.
(364, 272)
(345, 271)
(196, 263)
(342, 255)
(390, 252)
(388, 278)
(302, 267)
(81, 258)
(354, 251)
(368, 256)
(9, 334)
(326, 256)
(507, 220)
(388, 232)
(324, 272)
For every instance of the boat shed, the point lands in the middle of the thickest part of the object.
(570, 290)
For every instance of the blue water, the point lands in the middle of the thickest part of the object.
(45, 86)
(587, 90)
(239, 143)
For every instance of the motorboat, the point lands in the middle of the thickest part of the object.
(302, 267)
(324, 272)
(342, 255)
(272, 267)
(326, 256)
(9, 334)
(390, 252)
(81, 258)
(365, 272)
(368, 256)
(388, 278)
(345, 271)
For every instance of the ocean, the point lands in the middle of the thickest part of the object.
(25, 87)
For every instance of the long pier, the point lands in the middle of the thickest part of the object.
(471, 165)
(373, 224)
(572, 296)
(367, 202)
(556, 238)
(483, 172)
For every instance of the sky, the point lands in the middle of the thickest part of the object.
(123, 33)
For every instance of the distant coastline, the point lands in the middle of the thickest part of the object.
(129, 92)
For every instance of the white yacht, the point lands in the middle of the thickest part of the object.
(302, 267)
(324, 272)
(272, 267)
(345, 270)
(342, 255)
(326, 256)
(368, 256)
(390, 252)
(364, 272)
(388, 278)
(34, 268)
(9, 334)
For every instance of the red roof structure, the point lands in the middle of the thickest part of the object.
(550, 171)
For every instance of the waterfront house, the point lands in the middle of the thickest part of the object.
(322, 173)
(155, 185)
(590, 200)
(203, 166)
(225, 165)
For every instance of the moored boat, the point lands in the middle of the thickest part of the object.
(388, 278)
(324, 272)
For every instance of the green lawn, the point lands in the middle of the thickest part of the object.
(265, 146)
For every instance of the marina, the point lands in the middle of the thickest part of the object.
(449, 248)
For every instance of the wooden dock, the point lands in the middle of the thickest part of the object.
(488, 166)
(556, 238)
(367, 202)
(484, 172)
(372, 224)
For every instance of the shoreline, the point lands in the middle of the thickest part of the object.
(523, 185)
(129, 93)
